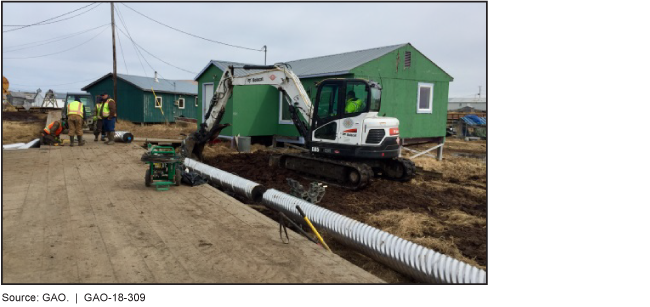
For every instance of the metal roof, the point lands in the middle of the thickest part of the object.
(329, 65)
(338, 63)
(146, 83)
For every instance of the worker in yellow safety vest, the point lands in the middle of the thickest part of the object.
(109, 115)
(99, 122)
(75, 121)
(352, 104)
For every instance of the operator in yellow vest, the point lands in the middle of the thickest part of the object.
(352, 104)
(109, 114)
(76, 116)
(99, 122)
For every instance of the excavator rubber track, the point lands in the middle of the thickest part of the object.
(345, 174)
(399, 169)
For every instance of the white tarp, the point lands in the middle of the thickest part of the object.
(13, 146)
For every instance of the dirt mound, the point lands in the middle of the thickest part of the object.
(444, 207)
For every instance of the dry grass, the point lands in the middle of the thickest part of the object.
(20, 132)
(420, 228)
(171, 131)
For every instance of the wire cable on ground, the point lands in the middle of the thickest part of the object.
(190, 34)
(40, 56)
(41, 23)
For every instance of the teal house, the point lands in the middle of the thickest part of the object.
(137, 103)
(415, 91)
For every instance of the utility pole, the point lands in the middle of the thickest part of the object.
(264, 54)
(114, 56)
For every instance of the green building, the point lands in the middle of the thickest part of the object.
(136, 102)
(415, 91)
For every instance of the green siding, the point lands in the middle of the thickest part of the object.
(400, 91)
(129, 98)
(254, 110)
(154, 115)
(136, 105)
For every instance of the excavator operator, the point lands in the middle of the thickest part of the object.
(352, 103)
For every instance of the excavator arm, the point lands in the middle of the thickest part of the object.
(279, 76)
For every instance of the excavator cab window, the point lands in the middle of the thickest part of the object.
(356, 100)
(328, 102)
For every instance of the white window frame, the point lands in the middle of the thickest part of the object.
(155, 103)
(196, 101)
(179, 103)
(280, 120)
(205, 104)
(417, 105)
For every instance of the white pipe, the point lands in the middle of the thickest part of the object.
(13, 146)
(33, 143)
(404, 256)
(226, 180)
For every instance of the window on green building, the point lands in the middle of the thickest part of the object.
(285, 114)
(158, 103)
(425, 98)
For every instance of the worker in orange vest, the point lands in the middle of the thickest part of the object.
(50, 135)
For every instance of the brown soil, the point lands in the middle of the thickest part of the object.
(444, 207)
(24, 116)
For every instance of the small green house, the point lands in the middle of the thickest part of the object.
(136, 102)
(415, 91)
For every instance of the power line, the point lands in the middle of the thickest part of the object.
(119, 42)
(40, 56)
(145, 50)
(190, 34)
(43, 22)
(51, 40)
(137, 48)
(55, 84)
(137, 52)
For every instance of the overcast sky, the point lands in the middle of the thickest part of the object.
(66, 55)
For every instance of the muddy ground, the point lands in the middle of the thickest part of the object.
(444, 207)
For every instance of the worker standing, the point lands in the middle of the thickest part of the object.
(99, 129)
(109, 113)
(76, 116)
(50, 135)
(352, 104)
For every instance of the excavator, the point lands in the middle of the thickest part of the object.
(345, 146)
